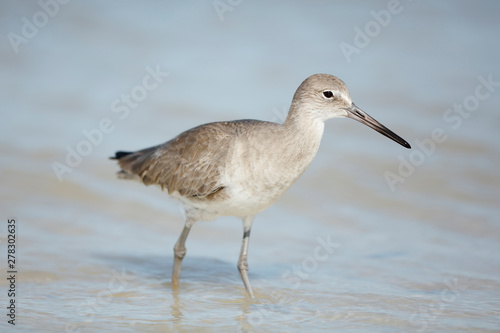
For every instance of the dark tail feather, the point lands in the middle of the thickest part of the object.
(120, 154)
(133, 164)
(125, 159)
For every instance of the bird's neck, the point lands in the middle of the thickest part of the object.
(302, 133)
(302, 125)
(272, 157)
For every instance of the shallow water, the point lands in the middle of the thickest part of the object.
(343, 250)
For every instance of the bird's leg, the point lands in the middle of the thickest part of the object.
(242, 261)
(180, 252)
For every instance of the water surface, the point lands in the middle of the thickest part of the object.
(343, 250)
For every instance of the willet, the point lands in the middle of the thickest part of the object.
(239, 168)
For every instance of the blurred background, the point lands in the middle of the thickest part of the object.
(412, 236)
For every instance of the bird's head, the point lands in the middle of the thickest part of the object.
(323, 96)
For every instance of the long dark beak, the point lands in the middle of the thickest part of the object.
(357, 114)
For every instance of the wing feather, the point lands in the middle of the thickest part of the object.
(190, 163)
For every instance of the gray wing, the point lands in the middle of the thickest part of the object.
(190, 163)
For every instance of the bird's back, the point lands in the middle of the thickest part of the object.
(190, 165)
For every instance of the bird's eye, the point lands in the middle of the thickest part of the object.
(328, 94)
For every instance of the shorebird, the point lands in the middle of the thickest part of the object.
(239, 168)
